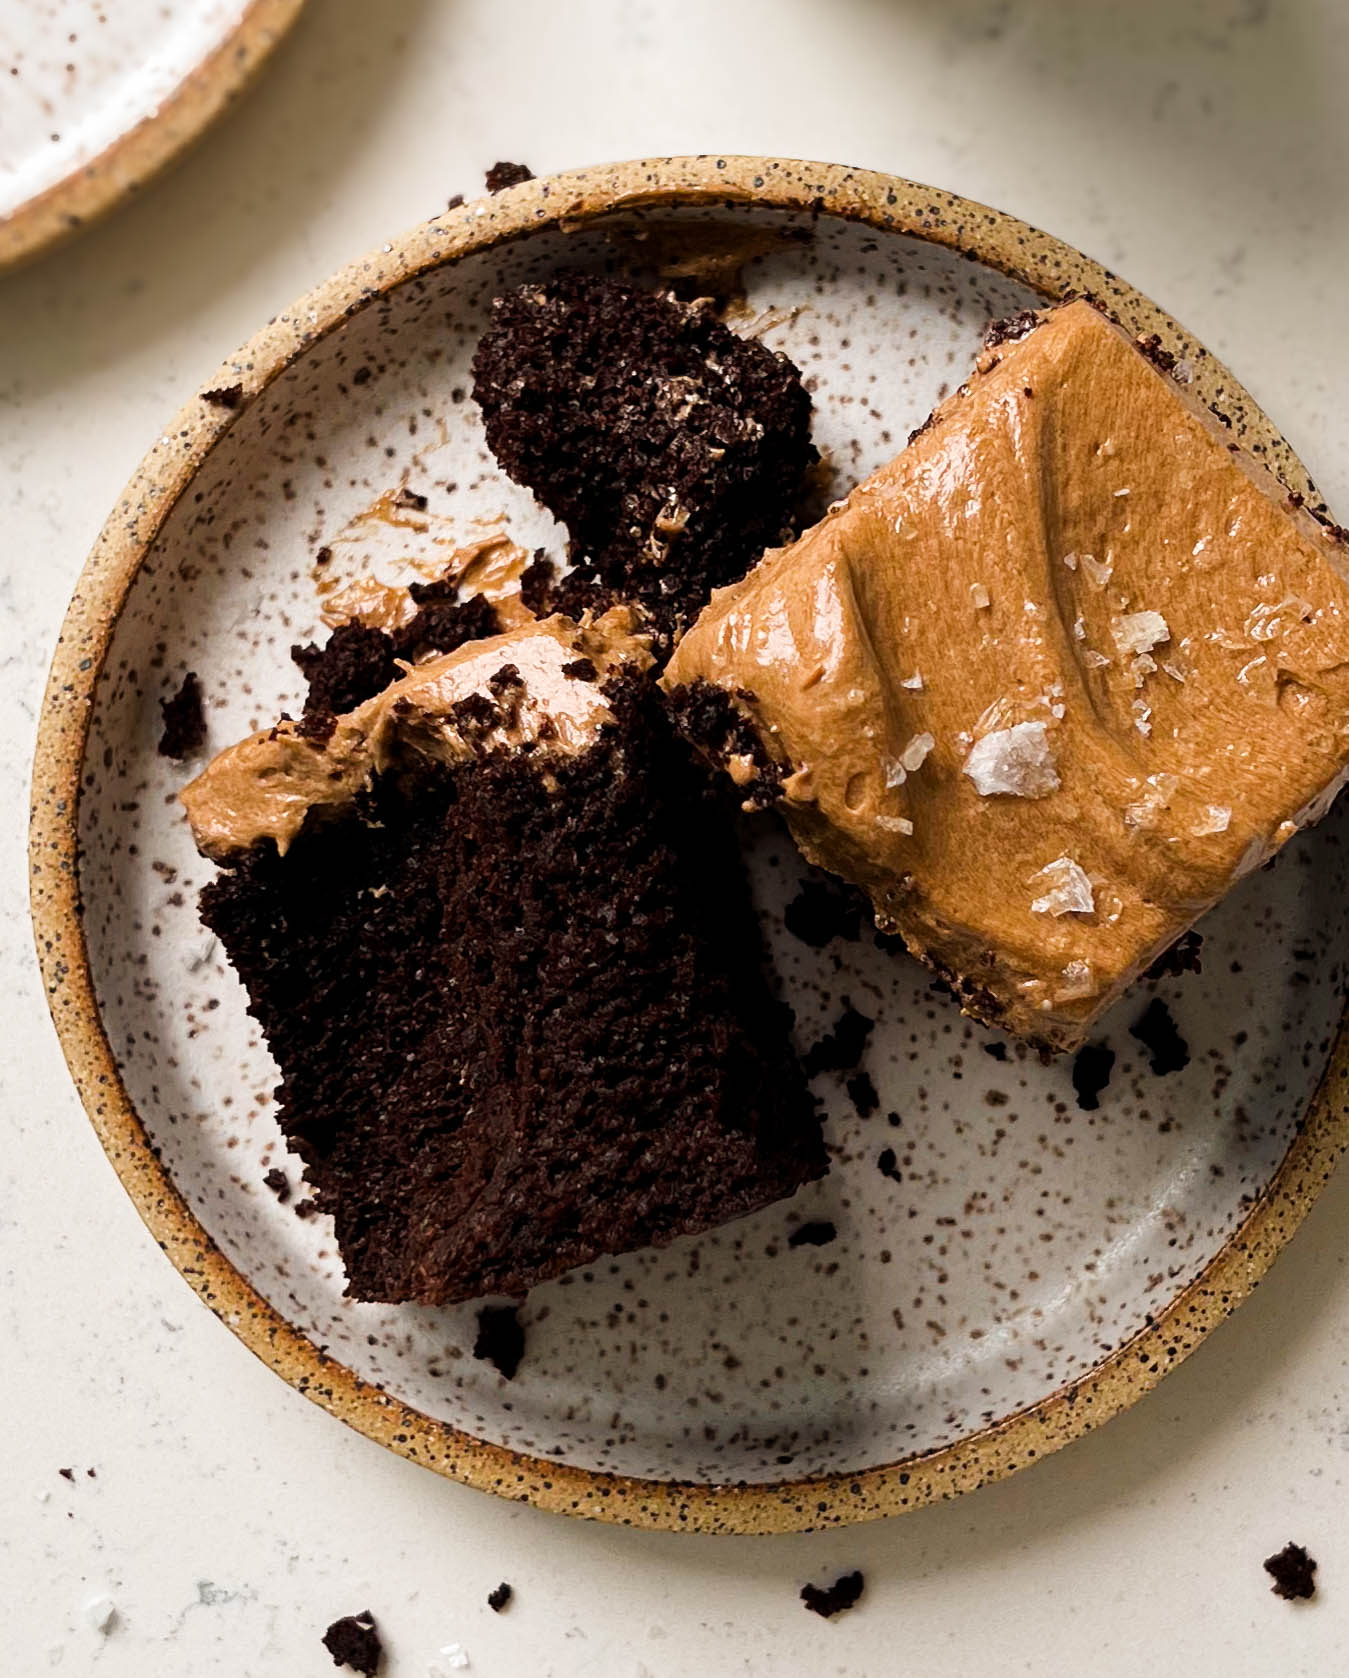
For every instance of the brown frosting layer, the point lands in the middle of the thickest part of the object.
(266, 786)
(1051, 680)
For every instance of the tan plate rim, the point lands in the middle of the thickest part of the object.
(890, 205)
(139, 153)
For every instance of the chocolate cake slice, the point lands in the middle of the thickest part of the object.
(495, 928)
(670, 447)
(1046, 685)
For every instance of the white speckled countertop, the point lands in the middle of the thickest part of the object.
(1201, 146)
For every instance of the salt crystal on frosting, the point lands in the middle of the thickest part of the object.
(1079, 980)
(1097, 661)
(980, 596)
(1099, 573)
(1142, 717)
(1140, 632)
(1217, 818)
(1067, 889)
(915, 682)
(1016, 761)
(915, 753)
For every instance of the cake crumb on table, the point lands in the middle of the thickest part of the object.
(1292, 1571)
(502, 175)
(828, 1600)
(354, 1642)
(499, 1598)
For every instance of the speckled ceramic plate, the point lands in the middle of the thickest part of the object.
(98, 97)
(1022, 1269)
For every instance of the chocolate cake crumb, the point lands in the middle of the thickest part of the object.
(444, 622)
(997, 1050)
(1292, 1572)
(278, 1182)
(67, 1474)
(824, 909)
(502, 175)
(1152, 349)
(354, 1642)
(818, 1233)
(1010, 327)
(1184, 956)
(837, 1598)
(409, 499)
(707, 715)
(455, 202)
(501, 1338)
(1156, 1030)
(888, 1165)
(671, 448)
(358, 661)
(581, 670)
(1092, 1066)
(306, 1208)
(224, 396)
(498, 1598)
(839, 1050)
(537, 582)
(353, 665)
(184, 730)
(862, 1093)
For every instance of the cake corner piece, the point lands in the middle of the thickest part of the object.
(1049, 682)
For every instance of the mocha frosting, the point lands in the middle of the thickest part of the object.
(523, 692)
(1051, 680)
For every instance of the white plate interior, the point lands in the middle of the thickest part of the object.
(79, 76)
(1026, 1239)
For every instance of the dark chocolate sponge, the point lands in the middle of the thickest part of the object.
(356, 662)
(521, 1014)
(671, 448)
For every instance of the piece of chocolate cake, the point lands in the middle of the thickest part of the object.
(1049, 683)
(671, 448)
(495, 928)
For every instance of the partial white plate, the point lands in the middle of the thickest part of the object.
(94, 98)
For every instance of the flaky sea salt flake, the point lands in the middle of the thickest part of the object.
(915, 753)
(980, 596)
(1067, 890)
(1140, 632)
(1099, 571)
(1217, 818)
(1015, 761)
(914, 682)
